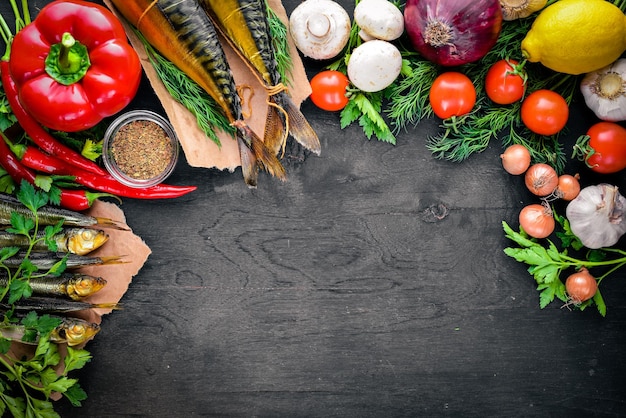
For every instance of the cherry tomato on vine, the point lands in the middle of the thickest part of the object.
(452, 94)
(329, 90)
(604, 147)
(505, 82)
(544, 112)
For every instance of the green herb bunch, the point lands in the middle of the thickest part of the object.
(27, 384)
(548, 261)
(405, 103)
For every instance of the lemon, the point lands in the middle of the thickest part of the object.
(576, 36)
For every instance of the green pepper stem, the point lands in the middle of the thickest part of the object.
(68, 60)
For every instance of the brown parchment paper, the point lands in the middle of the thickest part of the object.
(123, 243)
(200, 151)
(134, 252)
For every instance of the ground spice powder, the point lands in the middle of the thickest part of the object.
(142, 150)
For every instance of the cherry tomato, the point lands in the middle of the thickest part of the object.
(452, 94)
(545, 112)
(505, 82)
(329, 90)
(606, 151)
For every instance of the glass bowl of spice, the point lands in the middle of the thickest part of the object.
(140, 148)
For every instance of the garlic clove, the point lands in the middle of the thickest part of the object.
(374, 65)
(320, 29)
(380, 19)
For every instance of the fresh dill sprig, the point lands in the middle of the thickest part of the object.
(280, 41)
(468, 134)
(409, 95)
(188, 93)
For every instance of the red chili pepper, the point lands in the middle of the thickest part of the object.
(36, 132)
(73, 65)
(79, 199)
(70, 199)
(35, 159)
(12, 164)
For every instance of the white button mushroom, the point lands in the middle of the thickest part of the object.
(374, 65)
(320, 28)
(380, 19)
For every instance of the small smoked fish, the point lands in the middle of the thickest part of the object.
(245, 24)
(72, 331)
(183, 33)
(75, 286)
(47, 260)
(79, 241)
(53, 304)
(50, 215)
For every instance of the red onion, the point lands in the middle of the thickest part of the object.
(453, 32)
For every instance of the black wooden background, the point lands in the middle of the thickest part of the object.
(340, 293)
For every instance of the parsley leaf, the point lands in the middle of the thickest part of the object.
(547, 262)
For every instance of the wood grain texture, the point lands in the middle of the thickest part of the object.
(371, 284)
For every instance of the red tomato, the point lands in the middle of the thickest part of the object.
(329, 90)
(607, 148)
(452, 94)
(505, 82)
(545, 112)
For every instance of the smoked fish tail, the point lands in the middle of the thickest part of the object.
(299, 126)
(261, 155)
(275, 132)
(245, 24)
(249, 166)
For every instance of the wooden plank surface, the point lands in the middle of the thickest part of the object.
(343, 293)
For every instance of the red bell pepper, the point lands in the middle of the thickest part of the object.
(36, 132)
(73, 65)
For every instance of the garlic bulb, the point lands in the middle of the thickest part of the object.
(604, 91)
(597, 216)
(516, 9)
(320, 28)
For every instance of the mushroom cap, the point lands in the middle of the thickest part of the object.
(374, 65)
(320, 28)
(380, 19)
